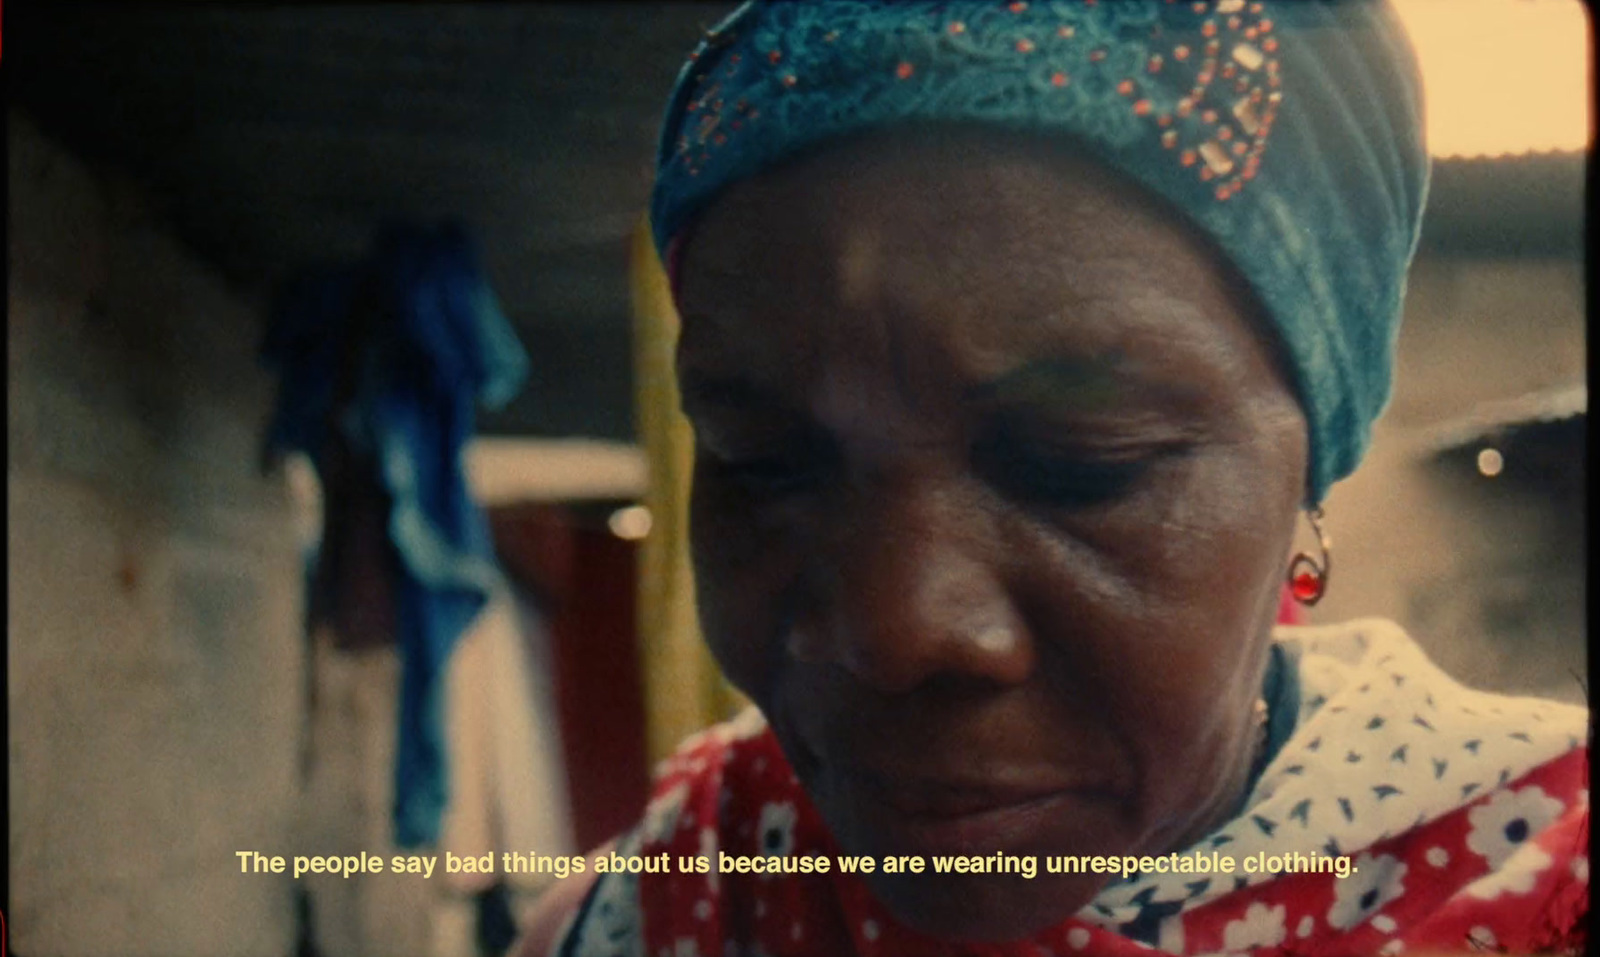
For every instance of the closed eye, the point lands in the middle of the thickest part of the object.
(767, 470)
(1055, 474)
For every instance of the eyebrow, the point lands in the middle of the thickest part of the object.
(1100, 381)
(1048, 381)
(1083, 383)
(727, 392)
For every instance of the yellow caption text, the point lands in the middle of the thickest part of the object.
(1025, 866)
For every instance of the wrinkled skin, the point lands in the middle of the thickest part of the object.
(996, 475)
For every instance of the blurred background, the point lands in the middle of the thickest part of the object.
(187, 680)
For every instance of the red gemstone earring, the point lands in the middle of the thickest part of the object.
(1308, 577)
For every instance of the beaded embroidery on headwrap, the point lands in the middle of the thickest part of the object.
(1288, 132)
(1216, 118)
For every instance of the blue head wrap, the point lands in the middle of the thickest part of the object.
(1289, 132)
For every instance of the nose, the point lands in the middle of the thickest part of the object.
(914, 588)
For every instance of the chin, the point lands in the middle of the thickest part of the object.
(986, 909)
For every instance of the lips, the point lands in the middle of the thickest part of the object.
(955, 799)
(965, 814)
(935, 799)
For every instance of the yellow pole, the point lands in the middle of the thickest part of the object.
(684, 690)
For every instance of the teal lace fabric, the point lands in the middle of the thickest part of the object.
(1289, 132)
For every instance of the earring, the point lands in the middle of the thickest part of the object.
(1308, 577)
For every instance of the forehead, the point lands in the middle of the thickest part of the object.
(974, 250)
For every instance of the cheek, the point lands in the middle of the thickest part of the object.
(1166, 602)
(741, 577)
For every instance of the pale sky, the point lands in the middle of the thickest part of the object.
(1502, 76)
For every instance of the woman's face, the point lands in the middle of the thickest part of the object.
(995, 481)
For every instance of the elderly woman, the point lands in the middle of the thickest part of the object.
(1016, 339)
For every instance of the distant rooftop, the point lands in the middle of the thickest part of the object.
(1509, 205)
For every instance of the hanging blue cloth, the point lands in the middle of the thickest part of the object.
(395, 353)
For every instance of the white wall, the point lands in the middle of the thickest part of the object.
(1490, 579)
(166, 708)
(155, 663)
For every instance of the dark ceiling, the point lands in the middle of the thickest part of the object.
(279, 136)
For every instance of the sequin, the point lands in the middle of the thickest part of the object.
(1248, 55)
(1216, 158)
(1245, 112)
